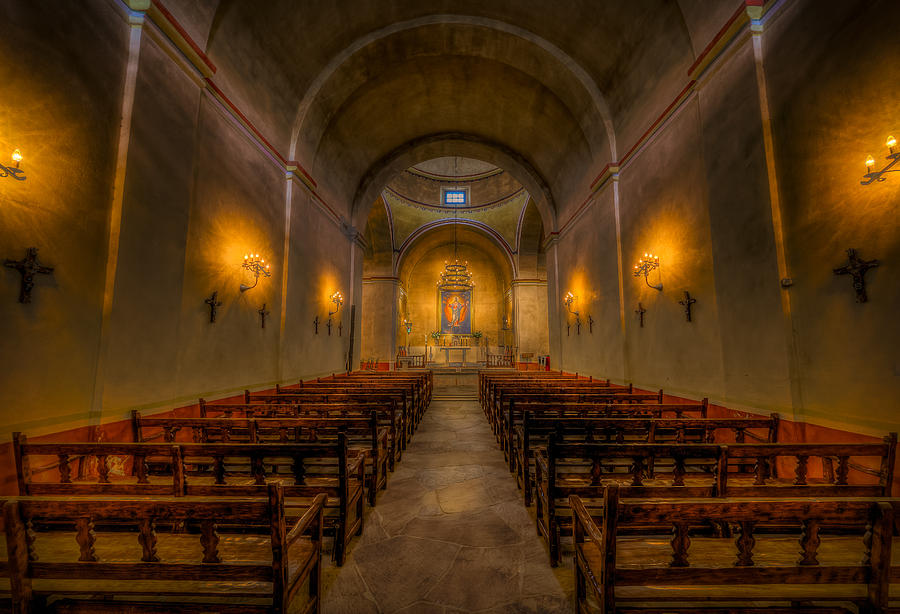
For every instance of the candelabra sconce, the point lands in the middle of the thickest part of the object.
(893, 156)
(642, 269)
(338, 299)
(408, 325)
(257, 267)
(14, 171)
(568, 302)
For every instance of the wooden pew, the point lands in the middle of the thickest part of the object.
(207, 470)
(64, 568)
(363, 434)
(536, 428)
(385, 399)
(605, 406)
(388, 415)
(698, 470)
(413, 395)
(776, 572)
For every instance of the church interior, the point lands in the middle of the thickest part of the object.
(444, 306)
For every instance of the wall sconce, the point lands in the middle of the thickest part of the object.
(408, 326)
(643, 268)
(257, 266)
(14, 172)
(568, 301)
(338, 299)
(872, 175)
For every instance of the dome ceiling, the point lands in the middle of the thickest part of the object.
(413, 201)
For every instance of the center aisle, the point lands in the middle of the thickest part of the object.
(451, 533)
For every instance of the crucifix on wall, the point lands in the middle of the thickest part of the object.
(28, 268)
(857, 268)
(263, 312)
(214, 304)
(687, 303)
(316, 324)
(640, 311)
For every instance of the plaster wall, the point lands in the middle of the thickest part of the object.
(701, 193)
(379, 329)
(138, 246)
(61, 86)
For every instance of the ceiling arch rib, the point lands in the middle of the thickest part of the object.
(440, 35)
(467, 232)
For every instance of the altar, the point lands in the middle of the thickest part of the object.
(455, 354)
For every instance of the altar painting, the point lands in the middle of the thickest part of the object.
(456, 312)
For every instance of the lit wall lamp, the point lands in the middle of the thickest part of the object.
(568, 302)
(257, 267)
(872, 175)
(338, 299)
(643, 268)
(408, 326)
(14, 172)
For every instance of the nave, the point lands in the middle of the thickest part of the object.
(450, 534)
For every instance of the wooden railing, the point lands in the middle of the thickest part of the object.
(411, 360)
(499, 360)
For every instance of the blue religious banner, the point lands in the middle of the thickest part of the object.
(456, 312)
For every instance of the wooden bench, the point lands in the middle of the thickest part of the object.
(386, 401)
(107, 555)
(701, 470)
(206, 470)
(363, 434)
(607, 408)
(536, 429)
(388, 417)
(793, 567)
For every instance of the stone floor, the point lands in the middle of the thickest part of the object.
(451, 533)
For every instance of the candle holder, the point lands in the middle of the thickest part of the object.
(14, 171)
(872, 175)
(257, 267)
(642, 269)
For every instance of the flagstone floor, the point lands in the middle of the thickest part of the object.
(451, 533)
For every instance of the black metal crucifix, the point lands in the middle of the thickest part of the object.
(328, 326)
(687, 303)
(641, 311)
(262, 315)
(28, 268)
(577, 325)
(214, 304)
(857, 268)
(591, 325)
(316, 324)
(340, 329)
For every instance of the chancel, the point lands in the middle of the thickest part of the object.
(619, 281)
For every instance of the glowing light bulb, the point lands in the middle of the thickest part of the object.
(891, 143)
(870, 162)
(245, 256)
(17, 157)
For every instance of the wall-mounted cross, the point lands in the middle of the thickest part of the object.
(328, 326)
(577, 325)
(214, 304)
(687, 303)
(316, 324)
(262, 315)
(857, 269)
(590, 325)
(641, 311)
(340, 329)
(28, 268)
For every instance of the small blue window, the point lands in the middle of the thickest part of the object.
(455, 197)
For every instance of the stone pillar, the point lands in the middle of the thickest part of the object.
(379, 324)
(531, 318)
